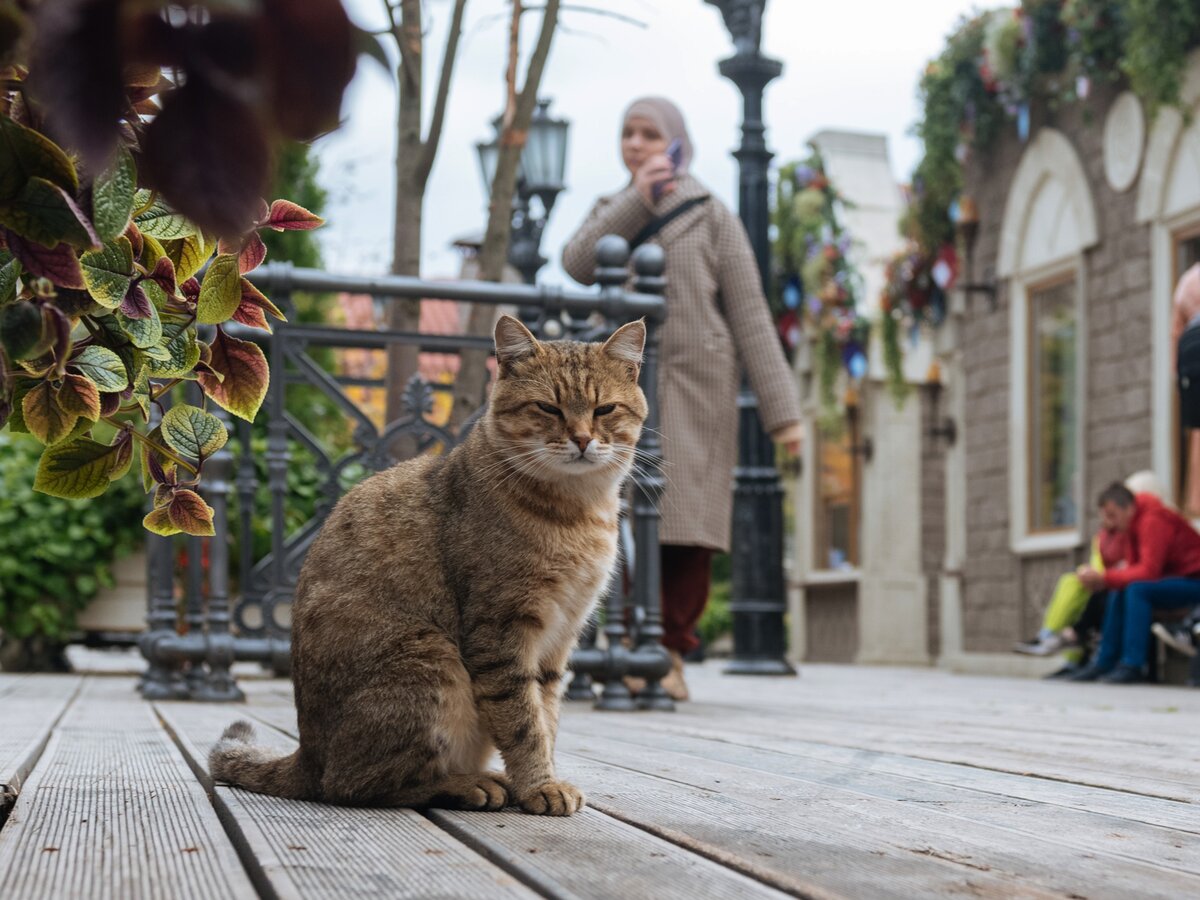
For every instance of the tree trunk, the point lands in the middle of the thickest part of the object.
(471, 385)
(405, 315)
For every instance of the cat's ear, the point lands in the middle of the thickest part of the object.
(627, 344)
(513, 342)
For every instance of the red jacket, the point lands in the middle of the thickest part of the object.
(1162, 544)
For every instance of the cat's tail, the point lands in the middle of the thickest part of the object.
(235, 760)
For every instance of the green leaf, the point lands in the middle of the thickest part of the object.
(193, 432)
(44, 213)
(179, 342)
(144, 333)
(80, 396)
(220, 292)
(77, 469)
(188, 512)
(102, 366)
(112, 197)
(45, 419)
(246, 376)
(152, 252)
(10, 271)
(156, 293)
(20, 329)
(25, 154)
(141, 391)
(109, 272)
(159, 522)
(188, 255)
(16, 419)
(162, 222)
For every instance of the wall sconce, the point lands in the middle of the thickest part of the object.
(941, 428)
(966, 225)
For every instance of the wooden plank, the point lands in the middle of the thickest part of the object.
(1024, 821)
(111, 811)
(1118, 804)
(29, 707)
(588, 855)
(868, 838)
(299, 849)
(936, 716)
(592, 855)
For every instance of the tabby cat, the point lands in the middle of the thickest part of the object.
(436, 610)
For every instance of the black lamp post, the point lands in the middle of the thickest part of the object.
(539, 182)
(759, 598)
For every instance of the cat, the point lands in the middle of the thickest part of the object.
(437, 608)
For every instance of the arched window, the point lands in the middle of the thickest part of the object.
(1049, 222)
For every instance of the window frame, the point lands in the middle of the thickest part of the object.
(1025, 539)
(1188, 231)
(820, 530)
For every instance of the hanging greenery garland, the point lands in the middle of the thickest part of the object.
(818, 287)
(997, 64)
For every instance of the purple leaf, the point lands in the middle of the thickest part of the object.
(206, 153)
(77, 74)
(136, 304)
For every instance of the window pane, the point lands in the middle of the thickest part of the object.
(1054, 413)
(1187, 441)
(837, 498)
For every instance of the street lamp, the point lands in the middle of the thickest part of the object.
(758, 600)
(540, 178)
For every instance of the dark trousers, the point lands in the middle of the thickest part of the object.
(686, 574)
(1127, 621)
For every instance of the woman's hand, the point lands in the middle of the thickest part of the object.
(791, 437)
(1091, 579)
(656, 170)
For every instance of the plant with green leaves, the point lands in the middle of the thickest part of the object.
(55, 554)
(104, 287)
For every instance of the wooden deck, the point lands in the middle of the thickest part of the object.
(846, 782)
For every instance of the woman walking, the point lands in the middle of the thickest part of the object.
(717, 320)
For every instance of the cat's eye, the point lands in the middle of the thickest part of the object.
(552, 410)
(605, 409)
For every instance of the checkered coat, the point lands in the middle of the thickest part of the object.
(717, 317)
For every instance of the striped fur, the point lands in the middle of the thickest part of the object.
(437, 608)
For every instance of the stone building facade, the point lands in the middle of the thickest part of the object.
(1056, 387)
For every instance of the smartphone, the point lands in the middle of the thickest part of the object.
(675, 155)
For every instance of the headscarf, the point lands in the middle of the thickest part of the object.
(668, 120)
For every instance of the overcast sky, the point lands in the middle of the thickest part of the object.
(852, 64)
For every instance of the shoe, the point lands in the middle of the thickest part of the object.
(1040, 646)
(1124, 675)
(1087, 673)
(673, 682)
(1064, 673)
(1177, 639)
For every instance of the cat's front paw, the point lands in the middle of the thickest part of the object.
(491, 792)
(554, 798)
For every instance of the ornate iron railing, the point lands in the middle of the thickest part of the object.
(191, 649)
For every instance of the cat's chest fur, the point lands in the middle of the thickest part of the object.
(573, 571)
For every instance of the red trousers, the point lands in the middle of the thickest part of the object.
(686, 574)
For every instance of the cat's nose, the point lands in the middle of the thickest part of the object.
(581, 441)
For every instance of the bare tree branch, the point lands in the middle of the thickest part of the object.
(430, 147)
(409, 40)
(596, 11)
(472, 373)
(510, 75)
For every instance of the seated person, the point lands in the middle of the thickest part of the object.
(1075, 612)
(1163, 572)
